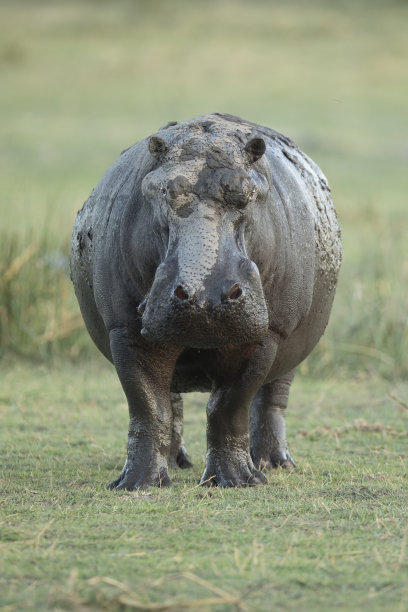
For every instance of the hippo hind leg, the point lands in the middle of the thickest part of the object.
(178, 456)
(267, 424)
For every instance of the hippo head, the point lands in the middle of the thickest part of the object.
(206, 291)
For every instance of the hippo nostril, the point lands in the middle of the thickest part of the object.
(235, 292)
(181, 293)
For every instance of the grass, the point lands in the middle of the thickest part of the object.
(333, 534)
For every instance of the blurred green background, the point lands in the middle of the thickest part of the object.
(80, 81)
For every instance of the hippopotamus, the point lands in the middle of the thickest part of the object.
(207, 259)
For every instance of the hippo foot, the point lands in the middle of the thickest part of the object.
(180, 460)
(273, 459)
(131, 479)
(231, 471)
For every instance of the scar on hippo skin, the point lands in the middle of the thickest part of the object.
(206, 259)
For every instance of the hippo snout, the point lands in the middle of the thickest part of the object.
(224, 309)
(230, 284)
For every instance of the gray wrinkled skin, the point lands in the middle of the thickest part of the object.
(207, 259)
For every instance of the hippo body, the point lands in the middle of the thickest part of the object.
(207, 259)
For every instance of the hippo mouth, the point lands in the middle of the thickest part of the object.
(189, 325)
(204, 342)
(207, 342)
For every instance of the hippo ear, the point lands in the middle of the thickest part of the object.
(157, 146)
(255, 148)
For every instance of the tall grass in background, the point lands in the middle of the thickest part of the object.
(81, 83)
(368, 329)
(39, 318)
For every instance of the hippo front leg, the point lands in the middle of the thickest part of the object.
(228, 461)
(268, 431)
(145, 372)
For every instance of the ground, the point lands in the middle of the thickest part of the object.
(332, 534)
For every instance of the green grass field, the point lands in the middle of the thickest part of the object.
(80, 81)
(331, 535)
